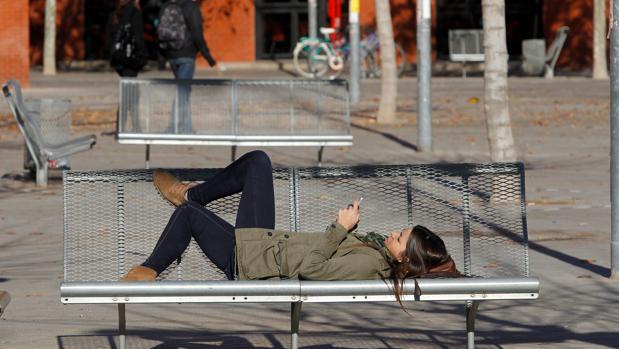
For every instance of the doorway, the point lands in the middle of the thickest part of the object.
(280, 24)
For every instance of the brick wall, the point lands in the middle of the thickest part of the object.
(230, 30)
(14, 32)
(577, 54)
(578, 15)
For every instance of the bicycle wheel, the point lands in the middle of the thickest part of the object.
(324, 63)
(318, 61)
(375, 61)
(301, 58)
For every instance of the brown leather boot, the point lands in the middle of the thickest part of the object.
(140, 273)
(171, 188)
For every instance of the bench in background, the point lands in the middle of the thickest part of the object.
(538, 61)
(112, 220)
(466, 45)
(42, 151)
(235, 113)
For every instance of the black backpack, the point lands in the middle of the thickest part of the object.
(172, 29)
(125, 50)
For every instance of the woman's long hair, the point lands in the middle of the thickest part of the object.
(424, 250)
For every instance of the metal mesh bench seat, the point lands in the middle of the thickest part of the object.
(234, 113)
(112, 220)
(41, 151)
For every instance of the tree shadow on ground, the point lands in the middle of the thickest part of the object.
(387, 135)
(564, 257)
(351, 338)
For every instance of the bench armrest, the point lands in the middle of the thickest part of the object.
(71, 147)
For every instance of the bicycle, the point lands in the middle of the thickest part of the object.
(312, 57)
(371, 44)
(318, 58)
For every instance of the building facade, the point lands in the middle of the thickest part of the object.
(249, 30)
(14, 44)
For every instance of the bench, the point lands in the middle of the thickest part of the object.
(234, 113)
(466, 45)
(5, 299)
(112, 220)
(43, 153)
(536, 60)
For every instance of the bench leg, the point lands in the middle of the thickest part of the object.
(320, 151)
(233, 153)
(122, 327)
(471, 313)
(295, 316)
(147, 166)
(42, 176)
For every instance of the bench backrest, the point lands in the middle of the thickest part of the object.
(26, 123)
(112, 219)
(466, 45)
(223, 108)
(554, 51)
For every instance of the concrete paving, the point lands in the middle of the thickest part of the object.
(561, 130)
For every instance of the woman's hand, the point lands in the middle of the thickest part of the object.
(349, 217)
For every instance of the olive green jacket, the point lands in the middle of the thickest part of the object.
(332, 255)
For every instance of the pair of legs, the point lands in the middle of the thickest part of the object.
(251, 175)
(130, 92)
(183, 69)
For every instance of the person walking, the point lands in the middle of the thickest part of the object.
(128, 53)
(181, 37)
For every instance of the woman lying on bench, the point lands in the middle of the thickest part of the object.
(260, 252)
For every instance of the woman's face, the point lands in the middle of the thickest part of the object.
(396, 242)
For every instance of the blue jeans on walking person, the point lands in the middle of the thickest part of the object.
(252, 176)
(183, 69)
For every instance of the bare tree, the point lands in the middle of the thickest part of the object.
(389, 77)
(600, 70)
(496, 104)
(49, 45)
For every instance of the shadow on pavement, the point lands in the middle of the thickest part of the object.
(389, 136)
(564, 257)
(361, 337)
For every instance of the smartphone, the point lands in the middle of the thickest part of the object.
(360, 200)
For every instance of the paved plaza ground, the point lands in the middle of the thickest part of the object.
(561, 130)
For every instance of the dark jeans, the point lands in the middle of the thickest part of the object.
(183, 69)
(251, 175)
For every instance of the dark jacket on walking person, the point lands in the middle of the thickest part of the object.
(125, 32)
(128, 54)
(194, 41)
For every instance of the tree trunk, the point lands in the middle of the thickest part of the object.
(389, 76)
(600, 69)
(49, 45)
(496, 105)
